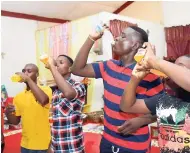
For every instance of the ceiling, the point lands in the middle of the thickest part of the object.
(67, 10)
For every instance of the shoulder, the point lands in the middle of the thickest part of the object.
(20, 94)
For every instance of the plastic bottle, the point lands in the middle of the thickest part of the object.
(99, 28)
(16, 78)
(156, 72)
(140, 55)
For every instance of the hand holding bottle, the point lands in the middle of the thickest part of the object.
(148, 60)
(98, 32)
(44, 58)
(51, 62)
(10, 109)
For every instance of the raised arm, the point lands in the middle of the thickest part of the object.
(80, 66)
(129, 103)
(180, 75)
(38, 93)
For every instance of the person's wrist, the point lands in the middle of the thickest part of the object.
(92, 38)
(27, 79)
(135, 80)
(144, 121)
(51, 66)
(153, 62)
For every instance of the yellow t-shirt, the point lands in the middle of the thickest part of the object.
(34, 119)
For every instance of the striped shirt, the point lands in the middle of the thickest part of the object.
(115, 78)
(67, 135)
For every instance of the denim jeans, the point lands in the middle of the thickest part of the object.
(24, 150)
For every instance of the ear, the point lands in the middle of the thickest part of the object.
(37, 74)
(136, 46)
(69, 69)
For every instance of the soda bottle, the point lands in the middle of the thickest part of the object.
(139, 55)
(16, 78)
(138, 58)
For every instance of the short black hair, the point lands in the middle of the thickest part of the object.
(69, 59)
(143, 34)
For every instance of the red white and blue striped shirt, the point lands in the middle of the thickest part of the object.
(115, 78)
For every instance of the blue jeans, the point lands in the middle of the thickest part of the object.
(24, 150)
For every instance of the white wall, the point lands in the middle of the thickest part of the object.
(176, 13)
(18, 43)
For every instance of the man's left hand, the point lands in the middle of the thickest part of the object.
(131, 126)
(24, 77)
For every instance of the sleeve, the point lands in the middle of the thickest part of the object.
(151, 103)
(80, 90)
(67, 107)
(155, 85)
(17, 108)
(98, 69)
(47, 90)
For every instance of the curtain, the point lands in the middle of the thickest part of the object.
(116, 27)
(178, 41)
(54, 42)
(58, 40)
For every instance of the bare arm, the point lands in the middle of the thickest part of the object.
(180, 75)
(80, 66)
(129, 103)
(12, 119)
(67, 90)
(11, 115)
(132, 125)
(39, 94)
(148, 119)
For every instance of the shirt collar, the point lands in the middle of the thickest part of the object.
(120, 63)
(69, 79)
(25, 89)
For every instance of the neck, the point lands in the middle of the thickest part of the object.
(27, 87)
(66, 76)
(128, 59)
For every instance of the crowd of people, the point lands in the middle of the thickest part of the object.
(133, 98)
